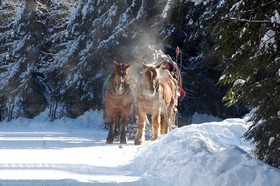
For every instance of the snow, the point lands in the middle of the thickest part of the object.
(268, 40)
(198, 2)
(87, 9)
(19, 12)
(238, 82)
(222, 77)
(143, 9)
(275, 18)
(73, 152)
(271, 139)
(237, 5)
(165, 10)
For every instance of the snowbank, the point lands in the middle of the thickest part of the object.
(210, 153)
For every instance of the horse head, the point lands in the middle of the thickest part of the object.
(151, 78)
(121, 71)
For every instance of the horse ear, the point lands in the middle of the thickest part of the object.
(116, 65)
(143, 64)
(159, 66)
(127, 66)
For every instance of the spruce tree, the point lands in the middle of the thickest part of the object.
(249, 42)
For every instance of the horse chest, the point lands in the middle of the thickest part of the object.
(119, 101)
(148, 105)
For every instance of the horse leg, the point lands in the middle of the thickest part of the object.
(112, 128)
(171, 114)
(163, 125)
(123, 124)
(117, 126)
(156, 126)
(110, 137)
(140, 137)
(167, 119)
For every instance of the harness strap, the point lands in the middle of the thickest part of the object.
(164, 109)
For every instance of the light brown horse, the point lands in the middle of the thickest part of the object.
(155, 95)
(118, 102)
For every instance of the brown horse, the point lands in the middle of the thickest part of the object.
(118, 102)
(155, 95)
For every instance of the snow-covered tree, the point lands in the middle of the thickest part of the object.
(249, 37)
(20, 86)
(190, 27)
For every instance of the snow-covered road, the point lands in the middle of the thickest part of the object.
(64, 156)
(73, 152)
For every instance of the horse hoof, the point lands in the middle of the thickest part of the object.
(123, 142)
(138, 142)
(109, 142)
(153, 138)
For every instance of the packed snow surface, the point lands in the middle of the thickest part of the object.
(73, 152)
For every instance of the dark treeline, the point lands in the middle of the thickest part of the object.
(56, 54)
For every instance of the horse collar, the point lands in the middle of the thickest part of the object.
(124, 92)
(155, 92)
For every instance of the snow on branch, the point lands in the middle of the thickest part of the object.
(246, 20)
(268, 40)
(274, 19)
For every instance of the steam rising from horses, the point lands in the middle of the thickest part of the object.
(153, 92)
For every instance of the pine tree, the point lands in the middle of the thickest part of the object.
(190, 29)
(249, 41)
(20, 88)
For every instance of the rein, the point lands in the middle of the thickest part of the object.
(165, 114)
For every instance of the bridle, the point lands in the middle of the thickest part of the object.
(113, 89)
(141, 91)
